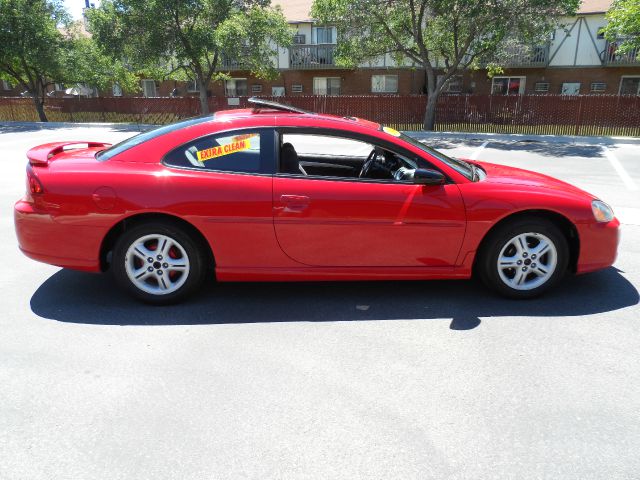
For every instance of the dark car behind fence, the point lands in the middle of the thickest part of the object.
(528, 114)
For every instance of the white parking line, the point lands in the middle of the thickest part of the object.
(478, 151)
(622, 173)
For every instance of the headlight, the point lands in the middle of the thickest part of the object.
(601, 211)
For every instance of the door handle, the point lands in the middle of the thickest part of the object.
(295, 203)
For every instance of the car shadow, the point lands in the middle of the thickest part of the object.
(549, 149)
(545, 149)
(76, 297)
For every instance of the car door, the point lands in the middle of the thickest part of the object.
(351, 222)
(222, 184)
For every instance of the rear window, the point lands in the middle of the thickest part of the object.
(245, 151)
(118, 148)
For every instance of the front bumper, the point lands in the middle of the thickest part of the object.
(598, 245)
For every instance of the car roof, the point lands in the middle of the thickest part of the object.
(291, 117)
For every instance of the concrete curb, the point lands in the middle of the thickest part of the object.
(501, 137)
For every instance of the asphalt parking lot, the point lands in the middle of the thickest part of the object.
(402, 380)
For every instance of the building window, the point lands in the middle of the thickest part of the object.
(256, 88)
(508, 85)
(116, 90)
(299, 39)
(629, 86)
(277, 91)
(326, 85)
(570, 88)
(296, 88)
(192, 86)
(384, 83)
(598, 87)
(541, 87)
(149, 88)
(236, 87)
(324, 34)
(452, 85)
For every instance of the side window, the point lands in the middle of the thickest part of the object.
(333, 156)
(246, 151)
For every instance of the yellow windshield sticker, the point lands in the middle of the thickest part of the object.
(215, 152)
(391, 131)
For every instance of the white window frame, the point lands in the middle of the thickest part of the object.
(521, 88)
(278, 91)
(228, 92)
(297, 88)
(145, 82)
(593, 88)
(314, 35)
(318, 90)
(116, 90)
(628, 76)
(562, 88)
(541, 90)
(384, 78)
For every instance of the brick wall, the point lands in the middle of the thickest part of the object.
(410, 81)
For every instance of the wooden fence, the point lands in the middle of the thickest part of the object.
(529, 114)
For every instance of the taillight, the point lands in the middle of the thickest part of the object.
(33, 183)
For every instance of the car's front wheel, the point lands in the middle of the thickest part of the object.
(158, 263)
(524, 258)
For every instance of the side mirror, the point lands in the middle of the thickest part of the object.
(426, 176)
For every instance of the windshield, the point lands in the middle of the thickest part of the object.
(459, 166)
(110, 152)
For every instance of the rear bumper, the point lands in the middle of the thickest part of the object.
(598, 245)
(45, 240)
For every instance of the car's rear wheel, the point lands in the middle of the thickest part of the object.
(158, 263)
(524, 258)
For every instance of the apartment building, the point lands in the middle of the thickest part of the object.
(576, 60)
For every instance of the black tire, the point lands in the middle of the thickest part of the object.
(525, 282)
(166, 283)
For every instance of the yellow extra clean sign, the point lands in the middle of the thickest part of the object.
(219, 151)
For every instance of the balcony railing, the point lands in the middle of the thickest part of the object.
(521, 56)
(311, 56)
(611, 55)
(229, 64)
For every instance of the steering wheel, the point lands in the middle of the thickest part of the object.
(366, 166)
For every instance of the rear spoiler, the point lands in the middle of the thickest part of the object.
(41, 154)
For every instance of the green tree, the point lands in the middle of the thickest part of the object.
(190, 39)
(40, 46)
(440, 37)
(624, 24)
(32, 46)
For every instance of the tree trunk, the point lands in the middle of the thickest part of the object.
(204, 100)
(430, 112)
(39, 103)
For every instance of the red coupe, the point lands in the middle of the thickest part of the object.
(275, 193)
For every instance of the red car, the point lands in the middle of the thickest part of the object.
(275, 193)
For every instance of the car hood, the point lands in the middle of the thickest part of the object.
(504, 175)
